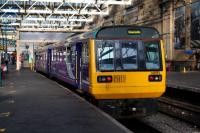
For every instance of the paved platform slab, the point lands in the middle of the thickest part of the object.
(31, 103)
(188, 81)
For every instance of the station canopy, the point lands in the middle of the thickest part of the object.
(53, 15)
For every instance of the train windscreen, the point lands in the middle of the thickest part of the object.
(121, 55)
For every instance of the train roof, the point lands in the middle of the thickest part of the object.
(112, 32)
(118, 31)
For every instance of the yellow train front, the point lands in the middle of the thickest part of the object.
(127, 70)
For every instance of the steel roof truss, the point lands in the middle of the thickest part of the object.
(54, 14)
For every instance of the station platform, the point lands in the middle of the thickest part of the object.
(189, 81)
(31, 103)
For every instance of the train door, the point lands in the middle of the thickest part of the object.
(49, 61)
(78, 65)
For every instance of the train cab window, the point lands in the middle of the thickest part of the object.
(105, 55)
(152, 54)
(116, 55)
(129, 55)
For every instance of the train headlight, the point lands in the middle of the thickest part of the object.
(154, 78)
(104, 79)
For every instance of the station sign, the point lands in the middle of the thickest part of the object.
(188, 52)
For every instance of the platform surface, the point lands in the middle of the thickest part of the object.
(189, 80)
(31, 103)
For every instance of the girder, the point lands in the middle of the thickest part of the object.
(52, 30)
(53, 14)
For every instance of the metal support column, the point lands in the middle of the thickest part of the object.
(188, 24)
(171, 30)
(18, 66)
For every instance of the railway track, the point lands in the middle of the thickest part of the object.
(181, 110)
(137, 126)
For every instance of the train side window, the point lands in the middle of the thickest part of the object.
(45, 56)
(68, 54)
(52, 55)
(64, 54)
(61, 56)
(73, 54)
(57, 54)
(85, 53)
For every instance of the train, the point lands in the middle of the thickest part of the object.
(121, 67)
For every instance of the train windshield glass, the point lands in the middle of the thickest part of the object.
(105, 55)
(119, 55)
(152, 55)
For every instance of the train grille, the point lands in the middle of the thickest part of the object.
(119, 78)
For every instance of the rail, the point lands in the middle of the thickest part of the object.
(181, 110)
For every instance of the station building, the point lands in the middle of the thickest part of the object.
(178, 22)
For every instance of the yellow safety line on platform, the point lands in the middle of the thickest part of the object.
(6, 114)
(2, 130)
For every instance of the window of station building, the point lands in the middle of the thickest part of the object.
(85, 54)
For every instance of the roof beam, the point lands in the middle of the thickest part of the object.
(68, 30)
(48, 15)
(72, 12)
(116, 2)
(38, 41)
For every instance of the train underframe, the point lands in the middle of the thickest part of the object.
(129, 108)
